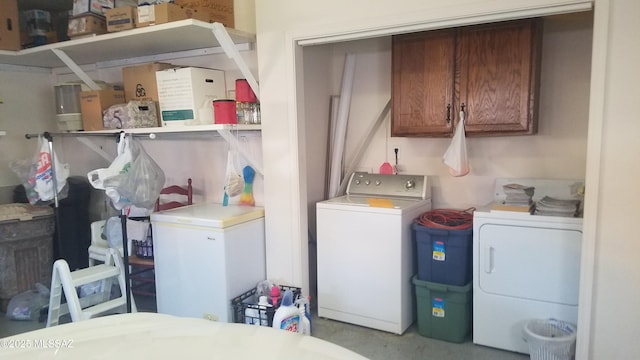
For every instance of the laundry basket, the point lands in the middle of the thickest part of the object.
(550, 339)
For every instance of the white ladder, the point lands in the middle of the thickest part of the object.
(90, 306)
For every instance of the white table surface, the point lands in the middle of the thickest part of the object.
(160, 336)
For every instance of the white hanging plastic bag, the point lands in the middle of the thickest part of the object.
(456, 155)
(120, 165)
(36, 174)
(234, 183)
(44, 172)
(142, 183)
(43, 177)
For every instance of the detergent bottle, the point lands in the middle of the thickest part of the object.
(264, 308)
(257, 315)
(287, 316)
(305, 317)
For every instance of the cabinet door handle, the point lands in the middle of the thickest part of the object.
(448, 113)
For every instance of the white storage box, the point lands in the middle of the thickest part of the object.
(182, 92)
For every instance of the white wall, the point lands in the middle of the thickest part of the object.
(614, 168)
(19, 91)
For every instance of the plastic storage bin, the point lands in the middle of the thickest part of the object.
(444, 256)
(26, 249)
(444, 311)
(248, 300)
(550, 339)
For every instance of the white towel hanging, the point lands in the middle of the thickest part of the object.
(456, 155)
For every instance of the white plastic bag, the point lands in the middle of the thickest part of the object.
(36, 174)
(233, 182)
(120, 165)
(456, 155)
(142, 184)
(27, 305)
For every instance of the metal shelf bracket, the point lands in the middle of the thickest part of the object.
(232, 52)
(76, 69)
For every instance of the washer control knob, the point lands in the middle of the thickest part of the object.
(357, 181)
(409, 184)
(378, 182)
(367, 182)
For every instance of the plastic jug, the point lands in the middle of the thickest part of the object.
(287, 317)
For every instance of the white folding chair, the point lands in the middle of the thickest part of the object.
(99, 247)
(64, 280)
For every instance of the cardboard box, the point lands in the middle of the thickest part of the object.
(159, 14)
(86, 25)
(183, 92)
(9, 25)
(153, 2)
(83, 7)
(98, 7)
(140, 81)
(216, 10)
(94, 102)
(133, 114)
(120, 18)
(123, 3)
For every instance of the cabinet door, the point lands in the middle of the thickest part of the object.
(422, 92)
(498, 77)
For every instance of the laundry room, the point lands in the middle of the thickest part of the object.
(556, 151)
(338, 158)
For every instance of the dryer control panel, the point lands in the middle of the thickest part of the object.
(389, 185)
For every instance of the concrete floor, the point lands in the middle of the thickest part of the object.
(373, 344)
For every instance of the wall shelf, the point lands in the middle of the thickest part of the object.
(152, 40)
(173, 37)
(172, 129)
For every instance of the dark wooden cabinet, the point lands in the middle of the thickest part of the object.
(490, 71)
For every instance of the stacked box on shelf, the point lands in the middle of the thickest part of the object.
(120, 18)
(183, 92)
(89, 24)
(163, 13)
(9, 26)
(215, 10)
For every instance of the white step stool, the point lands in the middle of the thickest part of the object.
(90, 306)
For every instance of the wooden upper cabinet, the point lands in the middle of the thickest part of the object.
(423, 83)
(491, 72)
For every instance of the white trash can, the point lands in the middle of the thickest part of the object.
(550, 339)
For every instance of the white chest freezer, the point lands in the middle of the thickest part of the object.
(205, 255)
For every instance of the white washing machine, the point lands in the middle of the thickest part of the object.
(524, 267)
(366, 250)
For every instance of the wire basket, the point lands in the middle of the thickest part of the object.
(550, 339)
(261, 315)
(143, 249)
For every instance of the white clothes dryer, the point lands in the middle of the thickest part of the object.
(524, 267)
(365, 250)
